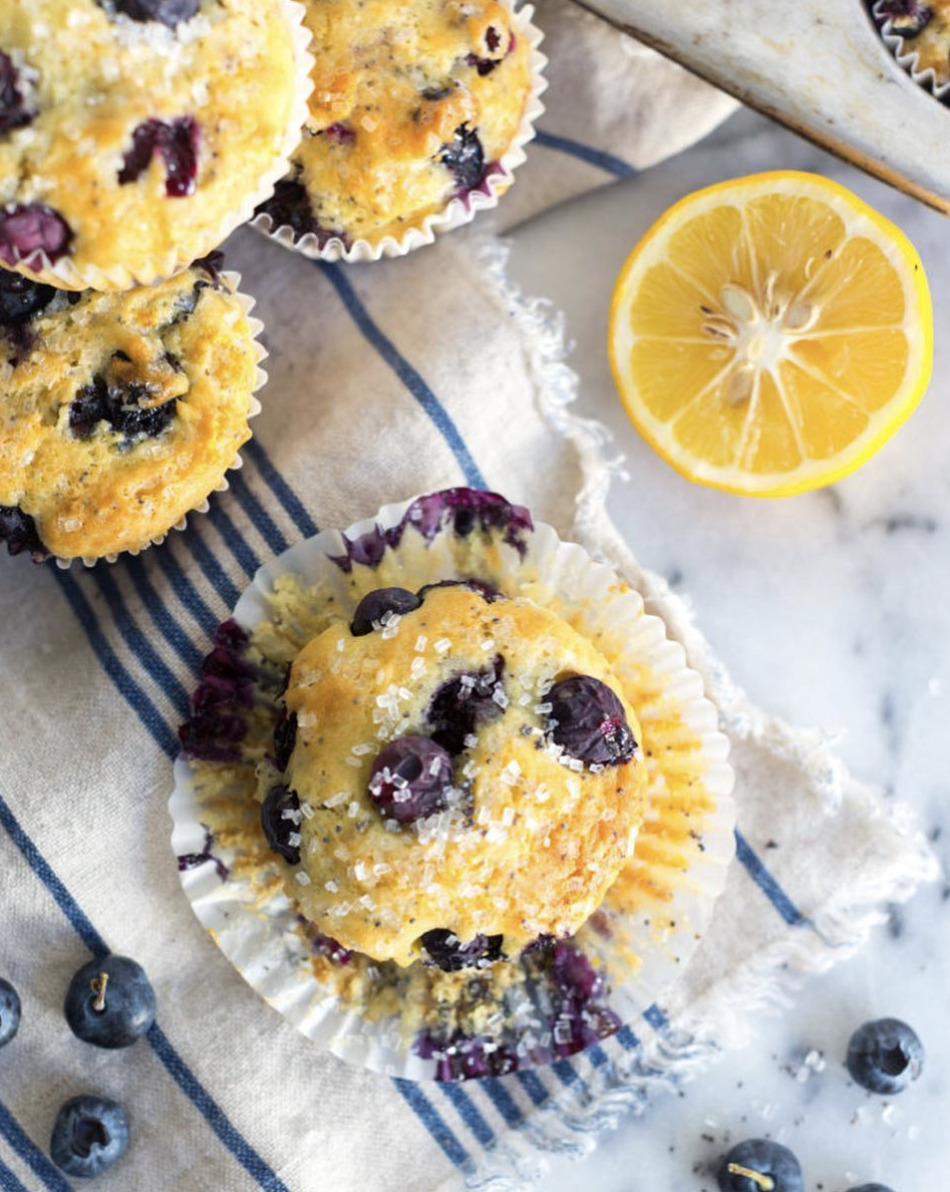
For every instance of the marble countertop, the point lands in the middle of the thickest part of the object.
(831, 609)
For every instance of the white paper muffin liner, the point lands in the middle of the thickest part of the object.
(686, 758)
(64, 273)
(908, 59)
(233, 282)
(460, 210)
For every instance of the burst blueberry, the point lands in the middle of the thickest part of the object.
(290, 206)
(589, 722)
(377, 606)
(110, 1002)
(123, 407)
(465, 704)
(168, 12)
(21, 298)
(749, 1164)
(30, 231)
(177, 143)
(411, 779)
(465, 158)
(285, 738)
(90, 1135)
(13, 112)
(19, 532)
(884, 1056)
(486, 591)
(9, 1012)
(281, 824)
(444, 950)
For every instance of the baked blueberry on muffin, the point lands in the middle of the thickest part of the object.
(924, 30)
(414, 104)
(455, 776)
(119, 413)
(134, 133)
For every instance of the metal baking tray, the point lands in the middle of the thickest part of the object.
(817, 66)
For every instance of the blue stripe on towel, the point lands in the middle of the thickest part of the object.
(767, 883)
(246, 558)
(586, 153)
(414, 1097)
(169, 628)
(533, 1085)
(412, 380)
(189, 596)
(260, 518)
(469, 1112)
(494, 1089)
(212, 569)
(656, 1018)
(281, 489)
(30, 1153)
(9, 1181)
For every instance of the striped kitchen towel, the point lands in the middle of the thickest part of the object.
(371, 398)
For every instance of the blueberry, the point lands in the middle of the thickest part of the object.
(466, 703)
(278, 826)
(486, 591)
(285, 738)
(110, 1002)
(9, 1012)
(177, 142)
(411, 779)
(375, 605)
(28, 230)
(13, 113)
(871, 1188)
(907, 17)
(885, 1056)
(589, 722)
(89, 1135)
(19, 532)
(121, 406)
(758, 1165)
(465, 157)
(169, 12)
(290, 206)
(21, 299)
(446, 951)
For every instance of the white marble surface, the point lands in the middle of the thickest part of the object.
(831, 609)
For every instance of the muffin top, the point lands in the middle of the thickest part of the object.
(131, 130)
(924, 26)
(118, 412)
(414, 103)
(460, 776)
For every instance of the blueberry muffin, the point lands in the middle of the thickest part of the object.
(924, 29)
(414, 104)
(135, 133)
(456, 775)
(119, 413)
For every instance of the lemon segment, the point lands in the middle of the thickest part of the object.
(769, 334)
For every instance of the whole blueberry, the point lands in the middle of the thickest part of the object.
(758, 1157)
(168, 12)
(90, 1135)
(884, 1056)
(280, 820)
(445, 950)
(21, 299)
(589, 722)
(411, 778)
(9, 1012)
(376, 605)
(467, 702)
(18, 531)
(110, 1002)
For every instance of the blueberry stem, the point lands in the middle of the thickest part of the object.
(99, 989)
(765, 1182)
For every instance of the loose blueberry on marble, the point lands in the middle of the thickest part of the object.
(465, 704)
(30, 230)
(121, 407)
(486, 591)
(281, 823)
(907, 17)
(411, 778)
(168, 12)
(13, 113)
(290, 206)
(90, 1135)
(884, 1056)
(177, 142)
(19, 532)
(589, 723)
(759, 1165)
(445, 950)
(9, 1012)
(110, 1002)
(465, 158)
(21, 298)
(375, 606)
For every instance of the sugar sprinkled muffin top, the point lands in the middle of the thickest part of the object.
(456, 783)
(119, 413)
(414, 103)
(130, 130)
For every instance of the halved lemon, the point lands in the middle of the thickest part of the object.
(769, 334)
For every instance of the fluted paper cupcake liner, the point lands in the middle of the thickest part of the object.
(652, 919)
(459, 210)
(908, 60)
